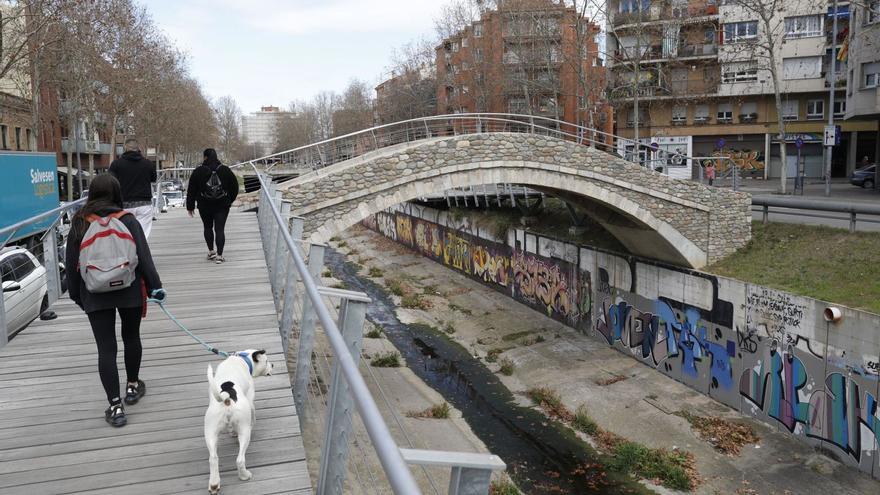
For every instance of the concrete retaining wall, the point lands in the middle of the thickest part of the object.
(764, 352)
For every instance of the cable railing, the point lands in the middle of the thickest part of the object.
(327, 383)
(30, 289)
(327, 152)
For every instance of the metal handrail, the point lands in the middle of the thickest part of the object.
(12, 229)
(399, 475)
(534, 124)
(852, 209)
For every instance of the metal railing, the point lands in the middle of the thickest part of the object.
(44, 247)
(338, 149)
(851, 209)
(327, 383)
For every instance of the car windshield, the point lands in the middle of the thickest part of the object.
(174, 194)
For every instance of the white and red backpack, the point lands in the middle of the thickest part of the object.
(107, 254)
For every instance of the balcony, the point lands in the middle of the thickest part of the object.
(656, 53)
(698, 50)
(623, 18)
(85, 146)
(681, 15)
(748, 118)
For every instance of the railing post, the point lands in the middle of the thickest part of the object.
(852, 221)
(307, 334)
(375, 141)
(4, 336)
(273, 236)
(766, 214)
(280, 260)
(735, 173)
(296, 232)
(334, 453)
(50, 261)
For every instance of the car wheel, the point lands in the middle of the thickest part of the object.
(868, 184)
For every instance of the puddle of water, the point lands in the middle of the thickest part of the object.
(541, 455)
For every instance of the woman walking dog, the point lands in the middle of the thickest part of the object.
(214, 187)
(113, 272)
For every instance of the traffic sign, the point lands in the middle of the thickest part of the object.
(830, 135)
(721, 143)
(799, 142)
(655, 146)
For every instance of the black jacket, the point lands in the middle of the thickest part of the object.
(198, 183)
(134, 173)
(130, 297)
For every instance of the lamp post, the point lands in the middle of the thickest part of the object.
(832, 85)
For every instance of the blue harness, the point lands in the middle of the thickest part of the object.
(247, 360)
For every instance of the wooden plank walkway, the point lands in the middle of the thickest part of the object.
(53, 438)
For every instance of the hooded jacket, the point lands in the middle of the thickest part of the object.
(134, 173)
(198, 183)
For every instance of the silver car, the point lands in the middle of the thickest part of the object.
(25, 288)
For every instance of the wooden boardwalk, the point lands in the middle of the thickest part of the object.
(53, 438)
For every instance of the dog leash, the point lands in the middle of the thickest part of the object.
(216, 351)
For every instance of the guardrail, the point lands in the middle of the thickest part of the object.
(334, 150)
(338, 386)
(852, 209)
(21, 278)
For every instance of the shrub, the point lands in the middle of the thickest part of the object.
(550, 402)
(327, 273)
(375, 333)
(415, 301)
(671, 468)
(386, 360)
(395, 286)
(376, 272)
(507, 367)
(492, 355)
(583, 422)
(438, 411)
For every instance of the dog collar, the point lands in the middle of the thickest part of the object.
(247, 359)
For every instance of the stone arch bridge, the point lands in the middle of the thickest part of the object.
(673, 220)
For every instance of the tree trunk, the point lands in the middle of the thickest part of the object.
(783, 179)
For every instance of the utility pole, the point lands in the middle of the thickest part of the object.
(829, 149)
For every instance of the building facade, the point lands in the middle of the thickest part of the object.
(260, 130)
(534, 57)
(701, 75)
(862, 49)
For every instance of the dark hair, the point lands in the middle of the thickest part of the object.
(105, 196)
(211, 159)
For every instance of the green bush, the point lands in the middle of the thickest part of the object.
(395, 286)
(583, 422)
(668, 467)
(507, 367)
(386, 360)
(414, 301)
(375, 272)
(375, 333)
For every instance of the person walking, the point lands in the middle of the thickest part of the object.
(135, 174)
(710, 172)
(101, 235)
(214, 187)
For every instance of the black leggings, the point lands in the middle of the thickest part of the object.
(214, 220)
(104, 327)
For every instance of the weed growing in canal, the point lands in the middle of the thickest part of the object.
(670, 467)
(342, 244)
(415, 301)
(507, 367)
(550, 401)
(516, 335)
(438, 411)
(375, 333)
(386, 360)
(334, 239)
(449, 328)
(728, 437)
(430, 290)
(395, 286)
(339, 285)
(583, 422)
(327, 273)
(376, 272)
(464, 311)
(493, 354)
(503, 487)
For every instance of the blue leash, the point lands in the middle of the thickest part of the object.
(161, 304)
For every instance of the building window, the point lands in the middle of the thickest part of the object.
(4, 137)
(626, 6)
(739, 72)
(871, 75)
(464, 42)
(801, 68)
(740, 31)
(815, 109)
(478, 30)
(804, 26)
(839, 108)
(790, 110)
(701, 114)
(455, 46)
(18, 138)
(748, 112)
(679, 114)
(478, 55)
(725, 113)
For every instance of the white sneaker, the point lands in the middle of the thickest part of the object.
(219, 259)
(212, 255)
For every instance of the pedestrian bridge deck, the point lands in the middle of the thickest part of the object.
(53, 438)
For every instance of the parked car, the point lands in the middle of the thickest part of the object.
(25, 288)
(863, 177)
(174, 199)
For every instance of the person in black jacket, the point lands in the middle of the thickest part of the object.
(214, 187)
(105, 198)
(135, 174)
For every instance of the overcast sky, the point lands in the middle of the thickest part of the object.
(271, 52)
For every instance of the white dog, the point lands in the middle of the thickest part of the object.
(231, 405)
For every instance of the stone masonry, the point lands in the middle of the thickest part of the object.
(674, 220)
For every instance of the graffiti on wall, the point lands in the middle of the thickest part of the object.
(763, 362)
(749, 161)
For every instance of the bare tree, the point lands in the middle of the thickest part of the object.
(411, 91)
(355, 109)
(228, 117)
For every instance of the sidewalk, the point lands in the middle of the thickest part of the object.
(841, 189)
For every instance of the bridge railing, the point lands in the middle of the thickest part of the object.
(324, 153)
(327, 383)
(26, 287)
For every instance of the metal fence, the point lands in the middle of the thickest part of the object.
(790, 206)
(358, 453)
(337, 149)
(29, 289)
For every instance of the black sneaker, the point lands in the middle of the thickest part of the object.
(133, 393)
(115, 415)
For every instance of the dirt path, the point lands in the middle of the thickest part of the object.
(623, 396)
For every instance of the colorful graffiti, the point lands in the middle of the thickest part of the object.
(749, 161)
(765, 359)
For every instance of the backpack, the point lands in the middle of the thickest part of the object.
(107, 254)
(213, 187)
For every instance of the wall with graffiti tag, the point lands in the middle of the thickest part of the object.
(764, 352)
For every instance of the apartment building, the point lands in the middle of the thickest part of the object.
(862, 49)
(704, 85)
(535, 57)
(260, 129)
